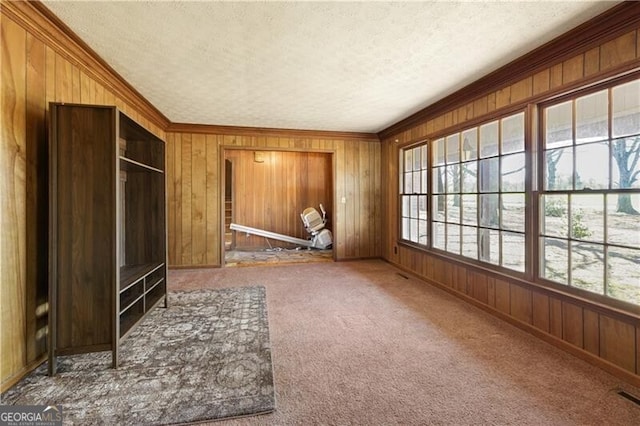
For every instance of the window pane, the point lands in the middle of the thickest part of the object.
(489, 245)
(470, 209)
(489, 139)
(587, 267)
(587, 217)
(626, 109)
(626, 163)
(408, 183)
(406, 228)
(489, 175)
(422, 232)
(408, 160)
(592, 117)
(453, 148)
(453, 238)
(558, 169)
(470, 242)
(438, 152)
(438, 207)
(453, 208)
(513, 173)
(424, 181)
(555, 219)
(513, 134)
(422, 207)
(414, 206)
(417, 161)
(623, 225)
(623, 281)
(453, 178)
(470, 176)
(489, 215)
(470, 144)
(438, 180)
(554, 260)
(406, 206)
(592, 166)
(513, 249)
(416, 183)
(424, 154)
(438, 235)
(513, 212)
(414, 230)
(558, 127)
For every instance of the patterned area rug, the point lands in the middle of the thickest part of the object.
(205, 357)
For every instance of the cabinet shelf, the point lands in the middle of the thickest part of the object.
(131, 274)
(130, 165)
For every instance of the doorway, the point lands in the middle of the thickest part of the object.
(268, 190)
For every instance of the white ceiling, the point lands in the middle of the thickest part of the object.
(357, 66)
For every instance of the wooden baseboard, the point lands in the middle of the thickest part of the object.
(10, 381)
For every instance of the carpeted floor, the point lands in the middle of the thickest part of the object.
(354, 343)
(207, 356)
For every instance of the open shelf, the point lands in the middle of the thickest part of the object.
(130, 165)
(131, 273)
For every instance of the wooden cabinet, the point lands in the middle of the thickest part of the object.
(107, 221)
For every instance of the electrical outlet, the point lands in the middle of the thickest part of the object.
(343, 200)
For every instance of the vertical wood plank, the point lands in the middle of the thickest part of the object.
(617, 342)
(555, 317)
(187, 237)
(572, 324)
(13, 198)
(618, 51)
(541, 82)
(503, 296)
(213, 202)
(198, 199)
(541, 311)
(521, 303)
(592, 61)
(591, 332)
(521, 90)
(572, 69)
(555, 74)
(171, 198)
(37, 195)
(64, 80)
(177, 191)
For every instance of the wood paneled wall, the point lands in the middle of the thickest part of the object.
(604, 336)
(195, 167)
(271, 194)
(36, 70)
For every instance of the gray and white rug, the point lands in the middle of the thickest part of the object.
(205, 357)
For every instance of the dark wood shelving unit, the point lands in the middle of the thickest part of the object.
(107, 245)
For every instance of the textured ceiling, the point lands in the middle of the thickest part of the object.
(358, 66)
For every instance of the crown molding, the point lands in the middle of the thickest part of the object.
(263, 131)
(39, 21)
(610, 24)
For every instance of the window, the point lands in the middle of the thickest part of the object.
(413, 193)
(589, 231)
(479, 193)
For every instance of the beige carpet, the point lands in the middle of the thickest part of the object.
(354, 343)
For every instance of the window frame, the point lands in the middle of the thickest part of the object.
(458, 129)
(539, 278)
(534, 160)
